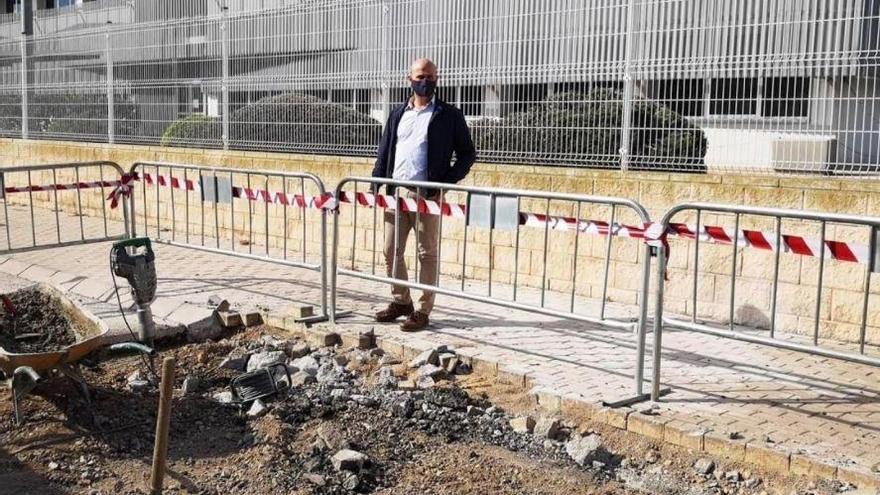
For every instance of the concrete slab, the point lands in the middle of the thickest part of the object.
(93, 289)
(14, 267)
(37, 273)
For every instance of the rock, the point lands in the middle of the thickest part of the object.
(522, 424)
(316, 479)
(223, 397)
(341, 359)
(733, 476)
(339, 393)
(386, 379)
(236, 360)
(351, 483)
(296, 350)
(427, 357)
(425, 382)
(403, 408)
(431, 371)
(388, 360)
(190, 385)
(547, 428)
(584, 450)
(136, 382)
(301, 378)
(330, 373)
(463, 369)
(445, 358)
(704, 466)
(363, 400)
(331, 438)
(307, 364)
(265, 359)
(753, 482)
(452, 365)
(652, 456)
(257, 409)
(348, 460)
(53, 466)
(407, 385)
(474, 411)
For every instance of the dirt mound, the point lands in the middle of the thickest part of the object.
(33, 321)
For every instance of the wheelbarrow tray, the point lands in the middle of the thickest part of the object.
(90, 336)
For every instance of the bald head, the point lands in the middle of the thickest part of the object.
(423, 65)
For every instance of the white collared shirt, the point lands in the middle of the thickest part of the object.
(411, 154)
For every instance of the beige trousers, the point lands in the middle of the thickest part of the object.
(427, 229)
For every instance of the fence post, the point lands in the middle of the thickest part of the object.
(224, 87)
(27, 30)
(111, 104)
(628, 88)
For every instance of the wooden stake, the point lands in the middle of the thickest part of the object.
(160, 449)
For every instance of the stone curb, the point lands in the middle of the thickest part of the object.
(675, 431)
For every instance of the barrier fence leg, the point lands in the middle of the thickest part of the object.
(656, 392)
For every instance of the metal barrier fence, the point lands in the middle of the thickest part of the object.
(278, 217)
(730, 85)
(776, 241)
(60, 194)
(498, 215)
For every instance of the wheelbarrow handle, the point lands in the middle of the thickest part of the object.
(127, 349)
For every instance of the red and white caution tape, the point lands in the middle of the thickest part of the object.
(652, 233)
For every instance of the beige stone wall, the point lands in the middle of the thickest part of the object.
(841, 300)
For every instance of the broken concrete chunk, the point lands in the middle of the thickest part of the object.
(325, 339)
(426, 357)
(190, 385)
(301, 378)
(223, 397)
(704, 466)
(331, 437)
(584, 450)
(451, 365)
(236, 360)
(296, 350)
(547, 428)
(425, 382)
(388, 360)
(229, 319)
(430, 370)
(348, 460)
(257, 409)
(474, 411)
(265, 359)
(306, 364)
(522, 424)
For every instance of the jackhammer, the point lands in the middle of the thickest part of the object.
(135, 261)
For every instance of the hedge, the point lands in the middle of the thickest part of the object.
(69, 115)
(290, 120)
(586, 127)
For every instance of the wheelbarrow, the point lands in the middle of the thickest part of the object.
(25, 370)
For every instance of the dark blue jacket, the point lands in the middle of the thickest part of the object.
(447, 134)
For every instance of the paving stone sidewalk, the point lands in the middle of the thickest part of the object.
(747, 401)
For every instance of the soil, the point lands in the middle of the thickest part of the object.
(37, 322)
(416, 442)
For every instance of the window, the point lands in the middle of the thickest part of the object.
(786, 97)
(734, 97)
(684, 96)
(471, 103)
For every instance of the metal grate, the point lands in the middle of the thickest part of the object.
(752, 86)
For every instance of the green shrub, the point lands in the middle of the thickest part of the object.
(586, 127)
(299, 120)
(193, 130)
(68, 115)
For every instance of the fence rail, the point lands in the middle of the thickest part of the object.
(59, 194)
(854, 249)
(501, 215)
(773, 86)
(270, 216)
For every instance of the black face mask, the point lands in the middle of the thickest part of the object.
(425, 87)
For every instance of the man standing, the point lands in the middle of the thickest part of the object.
(418, 143)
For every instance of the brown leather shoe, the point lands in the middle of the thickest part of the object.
(393, 312)
(415, 322)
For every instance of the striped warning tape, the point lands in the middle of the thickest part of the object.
(652, 233)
